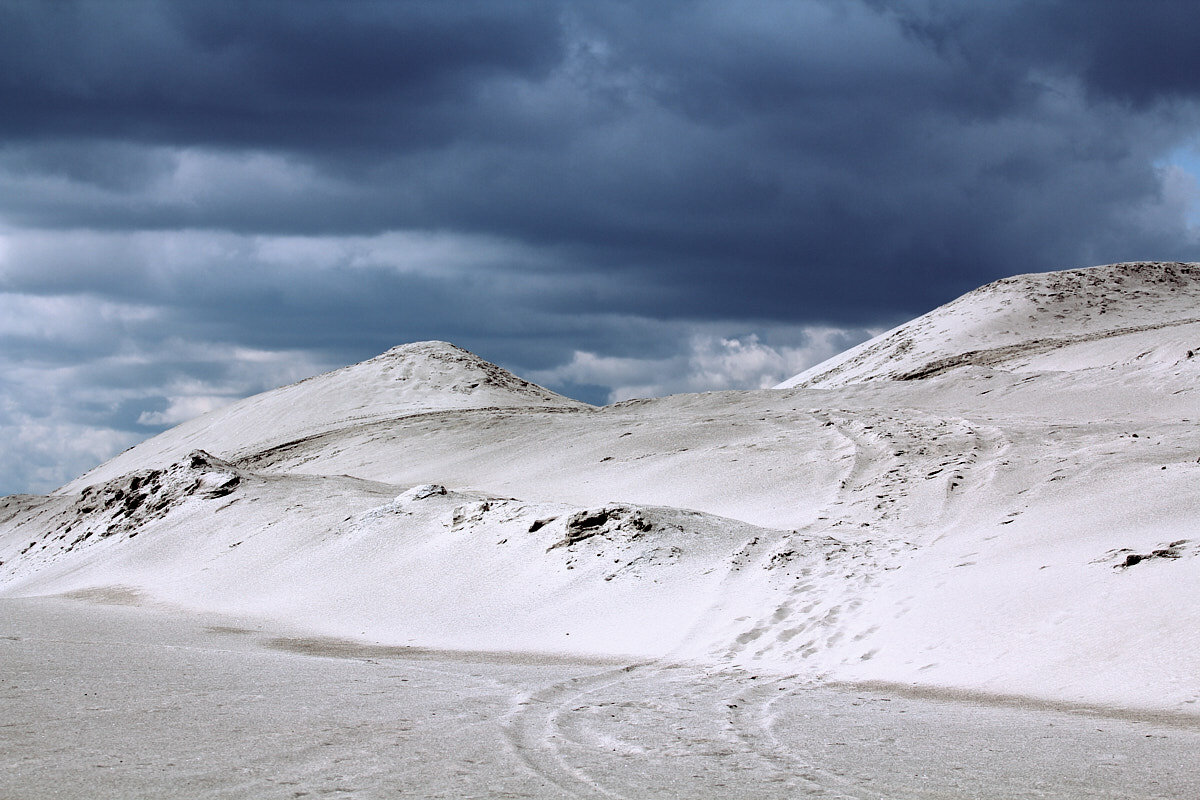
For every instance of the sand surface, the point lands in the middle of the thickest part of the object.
(108, 700)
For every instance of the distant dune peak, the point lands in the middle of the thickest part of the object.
(431, 349)
(425, 346)
(437, 363)
(434, 355)
(1084, 294)
(414, 378)
(1126, 274)
(1107, 316)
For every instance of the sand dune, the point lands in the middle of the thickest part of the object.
(998, 497)
(1133, 317)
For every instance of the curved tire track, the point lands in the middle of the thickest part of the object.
(533, 731)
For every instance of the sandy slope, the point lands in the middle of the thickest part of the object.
(999, 497)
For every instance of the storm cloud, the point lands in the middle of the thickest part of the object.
(201, 200)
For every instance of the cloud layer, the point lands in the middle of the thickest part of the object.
(201, 200)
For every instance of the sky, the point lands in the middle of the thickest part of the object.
(200, 201)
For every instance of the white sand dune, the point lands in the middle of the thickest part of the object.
(998, 497)
(408, 379)
(1135, 317)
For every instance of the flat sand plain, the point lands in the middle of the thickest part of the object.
(102, 698)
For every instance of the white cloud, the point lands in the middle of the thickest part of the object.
(41, 455)
(181, 409)
(1181, 192)
(421, 252)
(710, 362)
(104, 262)
(80, 380)
(65, 319)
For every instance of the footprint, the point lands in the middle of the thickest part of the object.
(750, 635)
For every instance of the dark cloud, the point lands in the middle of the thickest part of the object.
(261, 75)
(748, 160)
(1136, 53)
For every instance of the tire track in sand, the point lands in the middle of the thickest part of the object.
(533, 733)
(752, 718)
(704, 737)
